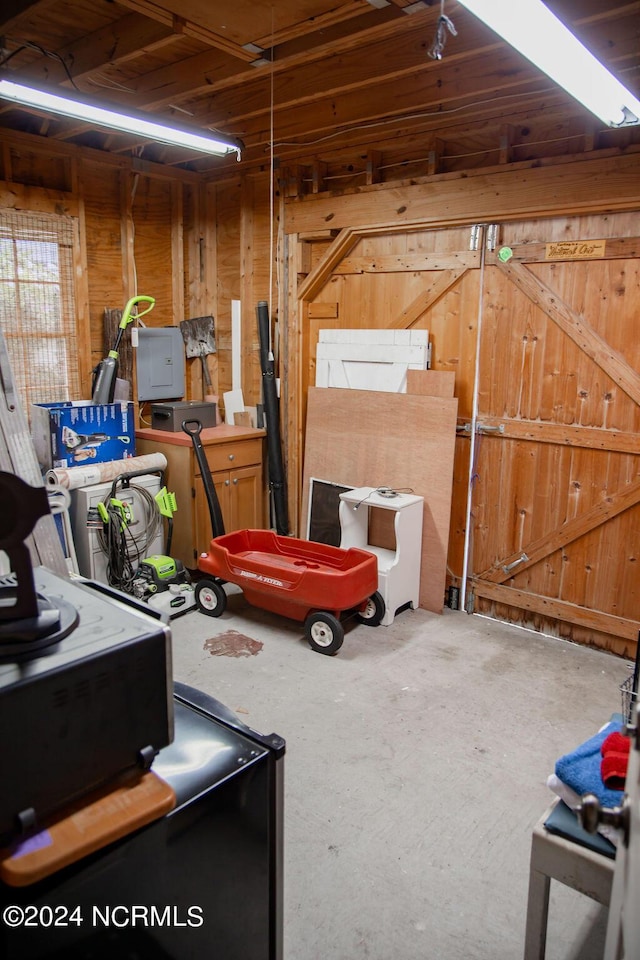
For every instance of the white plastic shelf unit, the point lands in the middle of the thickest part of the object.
(399, 569)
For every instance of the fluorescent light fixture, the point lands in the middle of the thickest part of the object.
(530, 27)
(139, 125)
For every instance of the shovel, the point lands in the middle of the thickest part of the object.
(199, 338)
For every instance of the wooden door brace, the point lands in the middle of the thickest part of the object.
(576, 327)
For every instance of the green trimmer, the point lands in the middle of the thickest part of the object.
(104, 382)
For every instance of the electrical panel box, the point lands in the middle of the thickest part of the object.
(160, 363)
(92, 561)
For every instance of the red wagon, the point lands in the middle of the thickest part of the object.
(300, 579)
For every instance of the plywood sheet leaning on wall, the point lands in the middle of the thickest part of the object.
(431, 383)
(366, 438)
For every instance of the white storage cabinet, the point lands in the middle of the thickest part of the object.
(399, 569)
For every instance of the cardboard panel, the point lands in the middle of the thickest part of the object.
(387, 439)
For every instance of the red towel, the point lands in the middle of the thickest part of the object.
(615, 758)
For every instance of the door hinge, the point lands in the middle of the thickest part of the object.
(492, 235)
(476, 235)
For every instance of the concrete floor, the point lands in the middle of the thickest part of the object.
(415, 771)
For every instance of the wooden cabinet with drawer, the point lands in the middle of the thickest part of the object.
(235, 457)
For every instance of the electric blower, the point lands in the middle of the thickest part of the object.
(104, 383)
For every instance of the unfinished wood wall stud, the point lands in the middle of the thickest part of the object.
(434, 157)
(373, 173)
(506, 143)
(318, 175)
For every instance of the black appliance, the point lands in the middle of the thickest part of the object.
(77, 712)
(204, 882)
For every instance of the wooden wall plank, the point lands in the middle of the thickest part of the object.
(152, 211)
(343, 243)
(576, 327)
(323, 311)
(434, 291)
(102, 225)
(365, 438)
(409, 262)
(228, 272)
(17, 196)
(127, 237)
(568, 435)
(513, 194)
(81, 287)
(262, 253)
(561, 610)
(177, 253)
(558, 537)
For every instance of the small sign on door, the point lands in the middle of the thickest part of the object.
(575, 250)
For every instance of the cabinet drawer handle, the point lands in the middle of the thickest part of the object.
(235, 479)
(232, 456)
(226, 483)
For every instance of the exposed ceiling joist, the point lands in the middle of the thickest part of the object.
(335, 76)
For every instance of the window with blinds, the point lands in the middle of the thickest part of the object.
(37, 305)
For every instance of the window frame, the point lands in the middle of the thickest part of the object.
(37, 201)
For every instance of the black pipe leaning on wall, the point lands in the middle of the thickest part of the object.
(275, 466)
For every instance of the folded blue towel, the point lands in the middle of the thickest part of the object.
(580, 769)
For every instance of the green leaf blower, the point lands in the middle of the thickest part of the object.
(104, 382)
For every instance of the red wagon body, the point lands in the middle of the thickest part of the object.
(299, 579)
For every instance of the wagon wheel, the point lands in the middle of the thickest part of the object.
(324, 633)
(374, 610)
(210, 598)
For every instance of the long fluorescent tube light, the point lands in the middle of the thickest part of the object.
(530, 27)
(136, 124)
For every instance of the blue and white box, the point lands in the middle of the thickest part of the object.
(77, 432)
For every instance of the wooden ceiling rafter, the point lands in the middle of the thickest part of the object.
(346, 75)
(202, 65)
(189, 28)
(305, 28)
(409, 64)
(412, 73)
(112, 44)
(348, 10)
(14, 11)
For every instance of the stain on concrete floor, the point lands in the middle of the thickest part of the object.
(232, 643)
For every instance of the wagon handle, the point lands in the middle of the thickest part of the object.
(197, 427)
(193, 429)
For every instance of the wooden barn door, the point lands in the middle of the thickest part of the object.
(392, 278)
(555, 504)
